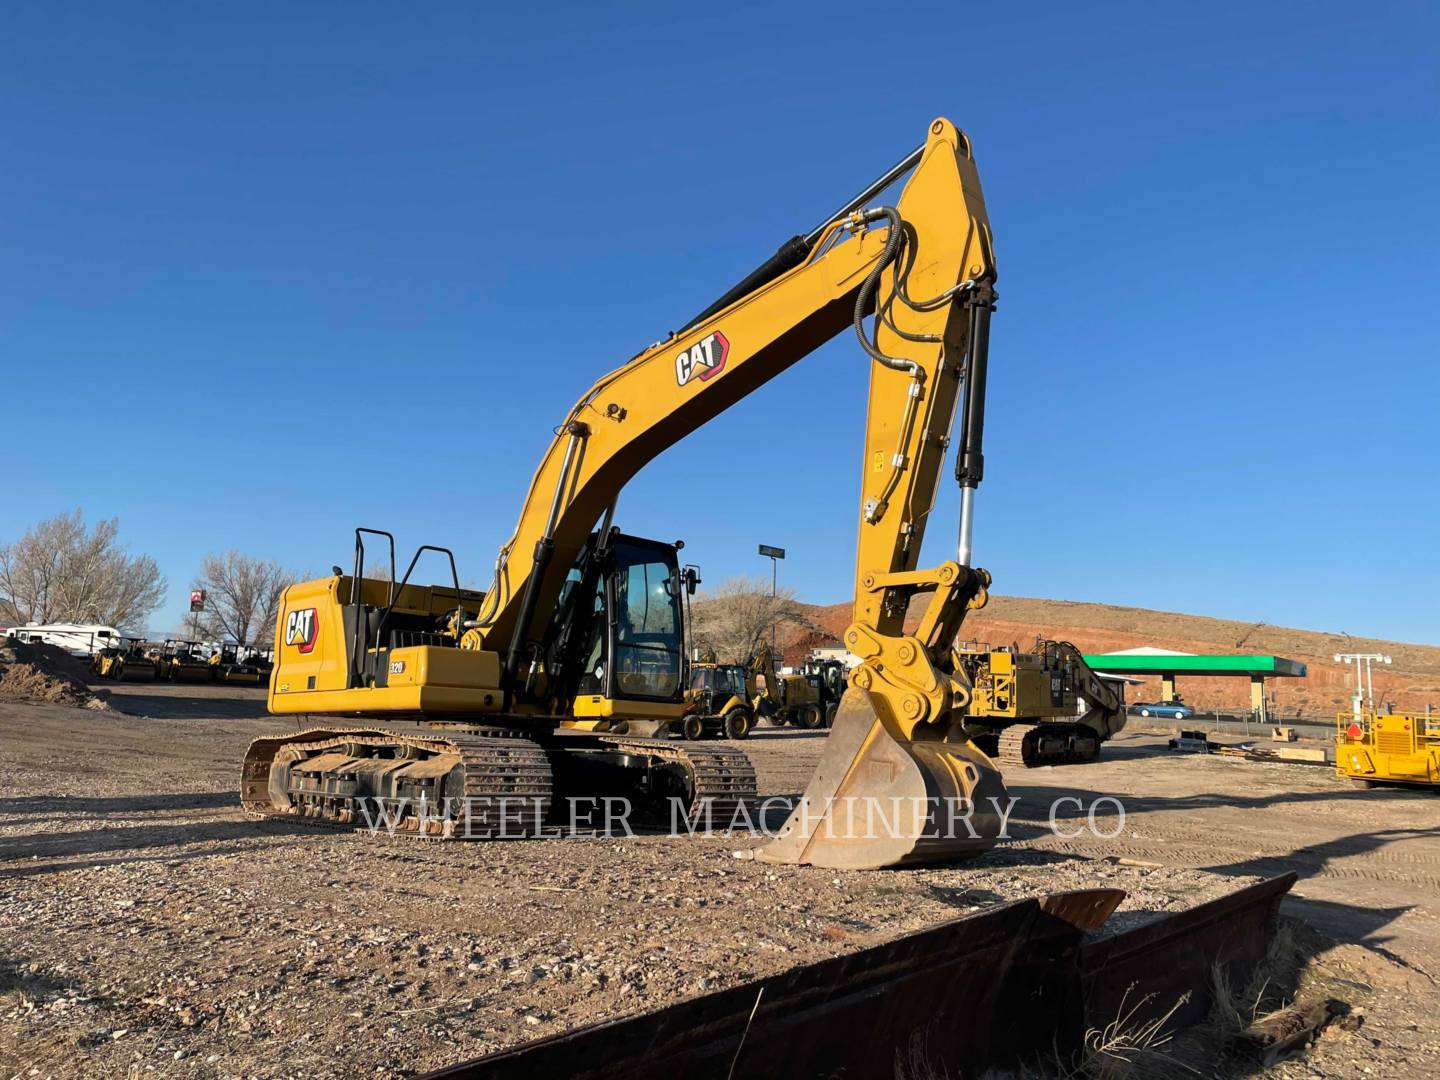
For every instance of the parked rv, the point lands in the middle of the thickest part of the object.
(78, 639)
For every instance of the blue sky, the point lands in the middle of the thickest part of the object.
(290, 268)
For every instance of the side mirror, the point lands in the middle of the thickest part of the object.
(692, 579)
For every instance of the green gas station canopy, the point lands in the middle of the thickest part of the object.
(1186, 664)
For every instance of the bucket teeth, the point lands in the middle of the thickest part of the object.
(880, 800)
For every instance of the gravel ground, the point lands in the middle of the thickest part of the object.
(151, 928)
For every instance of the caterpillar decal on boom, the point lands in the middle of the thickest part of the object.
(582, 625)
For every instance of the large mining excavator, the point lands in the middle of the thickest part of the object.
(581, 627)
(1042, 707)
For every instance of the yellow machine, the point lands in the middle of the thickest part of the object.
(1044, 707)
(231, 663)
(1388, 748)
(728, 698)
(582, 625)
(718, 700)
(107, 662)
(799, 700)
(180, 661)
(126, 662)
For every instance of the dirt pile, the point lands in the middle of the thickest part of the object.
(45, 674)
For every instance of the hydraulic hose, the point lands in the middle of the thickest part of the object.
(894, 241)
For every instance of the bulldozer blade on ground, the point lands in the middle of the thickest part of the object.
(990, 991)
(880, 800)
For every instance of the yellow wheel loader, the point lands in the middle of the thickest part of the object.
(531, 692)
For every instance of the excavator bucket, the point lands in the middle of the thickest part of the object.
(879, 799)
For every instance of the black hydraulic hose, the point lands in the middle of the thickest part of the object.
(540, 561)
(866, 296)
(529, 600)
(879, 184)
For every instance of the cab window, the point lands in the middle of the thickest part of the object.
(648, 637)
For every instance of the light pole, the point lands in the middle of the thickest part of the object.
(774, 554)
(1363, 691)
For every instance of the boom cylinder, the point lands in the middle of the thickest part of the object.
(970, 460)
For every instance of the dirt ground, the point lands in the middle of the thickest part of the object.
(148, 927)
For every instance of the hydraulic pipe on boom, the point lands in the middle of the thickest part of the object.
(797, 249)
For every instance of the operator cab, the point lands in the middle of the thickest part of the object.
(618, 630)
(723, 680)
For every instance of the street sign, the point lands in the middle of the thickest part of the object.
(197, 599)
(772, 552)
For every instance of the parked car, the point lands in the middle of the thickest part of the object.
(1176, 709)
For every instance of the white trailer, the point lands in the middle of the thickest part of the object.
(78, 639)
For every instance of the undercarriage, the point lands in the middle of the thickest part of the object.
(493, 781)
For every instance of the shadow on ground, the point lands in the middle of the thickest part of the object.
(17, 852)
(181, 706)
(115, 804)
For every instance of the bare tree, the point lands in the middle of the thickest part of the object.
(242, 595)
(738, 614)
(62, 571)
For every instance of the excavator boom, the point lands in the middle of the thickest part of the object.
(760, 328)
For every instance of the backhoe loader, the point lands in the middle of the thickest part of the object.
(719, 702)
(802, 700)
(529, 690)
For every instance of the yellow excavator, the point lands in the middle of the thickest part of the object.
(530, 692)
(1042, 707)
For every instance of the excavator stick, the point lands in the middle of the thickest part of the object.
(879, 799)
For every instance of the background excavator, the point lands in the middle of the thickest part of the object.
(1042, 707)
(581, 627)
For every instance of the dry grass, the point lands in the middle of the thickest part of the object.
(1271, 986)
(1127, 1048)
(1133, 1048)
